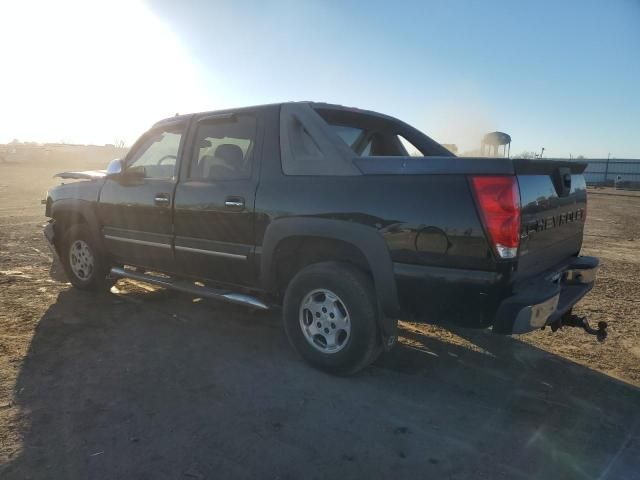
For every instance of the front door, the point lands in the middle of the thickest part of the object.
(136, 210)
(214, 203)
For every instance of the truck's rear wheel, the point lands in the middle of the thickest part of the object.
(331, 317)
(84, 263)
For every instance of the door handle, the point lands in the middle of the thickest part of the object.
(161, 199)
(234, 202)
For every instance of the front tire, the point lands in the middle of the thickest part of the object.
(85, 264)
(331, 317)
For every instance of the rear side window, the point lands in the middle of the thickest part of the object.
(223, 148)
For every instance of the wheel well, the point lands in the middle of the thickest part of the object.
(65, 219)
(294, 253)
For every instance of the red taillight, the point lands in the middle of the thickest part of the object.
(499, 205)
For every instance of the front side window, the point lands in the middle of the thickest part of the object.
(158, 152)
(223, 149)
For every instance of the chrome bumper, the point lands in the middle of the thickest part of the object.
(557, 294)
(535, 316)
(581, 276)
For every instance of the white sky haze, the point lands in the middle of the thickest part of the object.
(560, 75)
(90, 72)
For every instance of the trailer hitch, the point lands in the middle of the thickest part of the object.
(571, 320)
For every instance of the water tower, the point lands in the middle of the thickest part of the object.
(496, 140)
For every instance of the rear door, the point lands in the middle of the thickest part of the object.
(214, 201)
(553, 199)
(136, 212)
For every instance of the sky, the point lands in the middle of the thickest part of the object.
(562, 75)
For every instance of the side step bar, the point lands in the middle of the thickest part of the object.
(186, 287)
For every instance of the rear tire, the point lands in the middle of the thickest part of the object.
(85, 264)
(331, 317)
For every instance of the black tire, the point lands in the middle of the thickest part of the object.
(355, 290)
(96, 278)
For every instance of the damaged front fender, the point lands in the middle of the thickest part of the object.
(56, 271)
(86, 175)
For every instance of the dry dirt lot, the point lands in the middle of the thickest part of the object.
(154, 384)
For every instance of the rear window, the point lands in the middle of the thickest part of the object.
(349, 135)
(370, 135)
(321, 139)
(411, 149)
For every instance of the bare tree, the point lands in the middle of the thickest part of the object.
(528, 155)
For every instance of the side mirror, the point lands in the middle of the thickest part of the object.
(135, 173)
(114, 168)
(116, 171)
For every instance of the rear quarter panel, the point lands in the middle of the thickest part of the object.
(424, 219)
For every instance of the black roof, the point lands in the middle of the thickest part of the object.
(334, 106)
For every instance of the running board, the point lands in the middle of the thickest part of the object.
(186, 287)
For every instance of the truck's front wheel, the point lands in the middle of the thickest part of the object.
(84, 263)
(330, 316)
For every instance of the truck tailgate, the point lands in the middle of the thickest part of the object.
(553, 199)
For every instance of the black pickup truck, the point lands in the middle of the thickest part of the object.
(348, 219)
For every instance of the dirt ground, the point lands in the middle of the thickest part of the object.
(153, 384)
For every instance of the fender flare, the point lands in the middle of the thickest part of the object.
(76, 208)
(364, 238)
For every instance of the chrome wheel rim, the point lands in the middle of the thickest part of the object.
(325, 321)
(81, 260)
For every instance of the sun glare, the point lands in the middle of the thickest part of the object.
(90, 72)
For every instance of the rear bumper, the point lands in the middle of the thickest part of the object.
(449, 295)
(543, 300)
(482, 299)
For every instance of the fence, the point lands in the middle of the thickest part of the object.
(610, 171)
